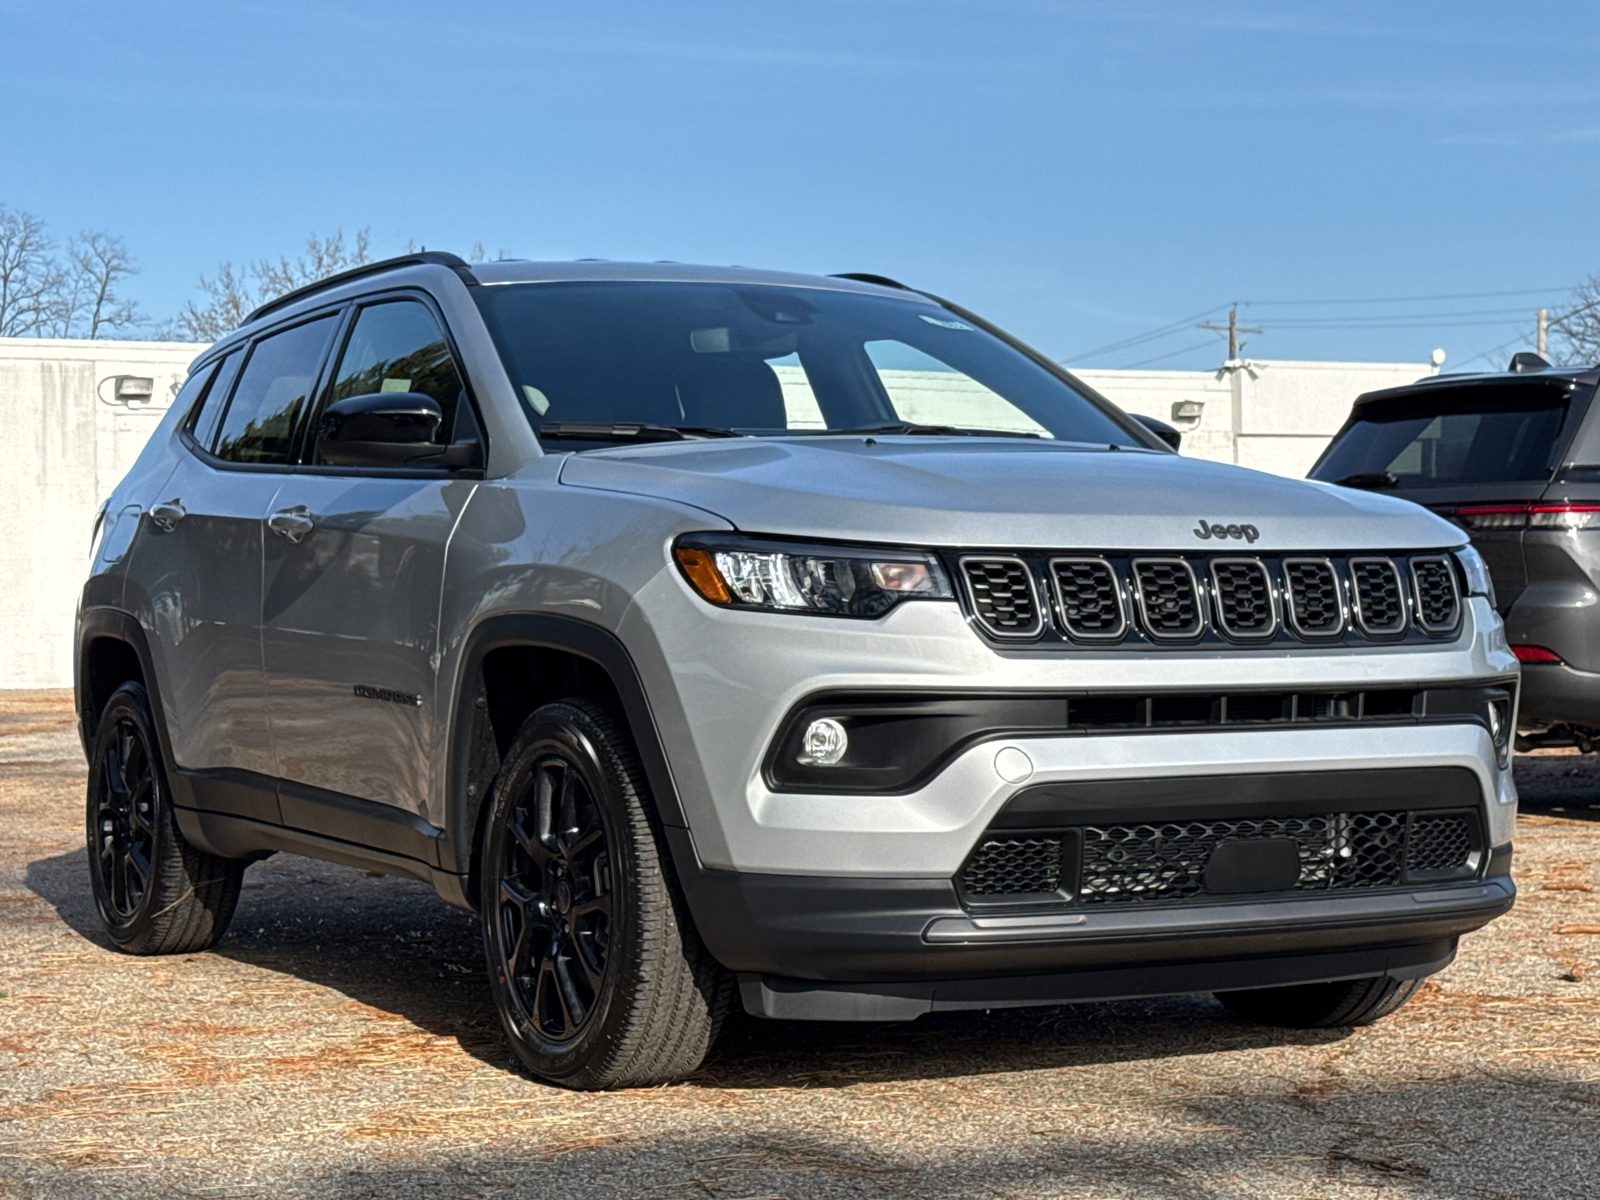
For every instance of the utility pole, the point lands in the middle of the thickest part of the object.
(1233, 329)
(1544, 330)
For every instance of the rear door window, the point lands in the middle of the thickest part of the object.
(272, 394)
(1432, 442)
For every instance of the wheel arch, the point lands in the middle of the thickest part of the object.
(512, 664)
(113, 650)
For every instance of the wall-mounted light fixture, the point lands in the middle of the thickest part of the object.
(127, 391)
(1186, 413)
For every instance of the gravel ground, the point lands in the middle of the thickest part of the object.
(340, 1042)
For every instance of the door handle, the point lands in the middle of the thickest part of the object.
(293, 523)
(168, 513)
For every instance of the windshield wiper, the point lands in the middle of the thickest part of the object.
(631, 431)
(1369, 479)
(911, 427)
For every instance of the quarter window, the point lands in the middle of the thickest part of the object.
(203, 420)
(397, 346)
(277, 380)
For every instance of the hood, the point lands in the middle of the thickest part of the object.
(1004, 493)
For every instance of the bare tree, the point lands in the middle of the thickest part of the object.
(31, 278)
(90, 304)
(233, 292)
(1577, 331)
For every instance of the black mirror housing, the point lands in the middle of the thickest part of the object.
(1161, 429)
(389, 429)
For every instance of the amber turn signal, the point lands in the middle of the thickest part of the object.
(702, 573)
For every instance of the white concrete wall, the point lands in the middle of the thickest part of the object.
(1270, 414)
(64, 450)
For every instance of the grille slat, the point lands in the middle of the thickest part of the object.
(1002, 594)
(1380, 605)
(1164, 862)
(1088, 598)
(1433, 584)
(1313, 609)
(1169, 599)
(1246, 607)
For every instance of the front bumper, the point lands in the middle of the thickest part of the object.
(887, 949)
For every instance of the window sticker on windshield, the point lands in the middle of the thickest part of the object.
(395, 385)
(942, 323)
(536, 399)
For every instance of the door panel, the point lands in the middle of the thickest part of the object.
(350, 631)
(201, 581)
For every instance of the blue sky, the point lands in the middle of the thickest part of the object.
(1079, 172)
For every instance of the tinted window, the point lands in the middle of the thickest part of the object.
(273, 390)
(1445, 440)
(398, 347)
(202, 422)
(769, 360)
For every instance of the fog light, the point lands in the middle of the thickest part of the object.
(824, 744)
(1494, 721)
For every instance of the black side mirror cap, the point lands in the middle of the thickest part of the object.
(1161, 429)
(390, 429)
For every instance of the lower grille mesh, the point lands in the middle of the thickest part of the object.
(1014, 866)
(1165, 861)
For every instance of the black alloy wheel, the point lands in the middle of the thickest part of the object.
(122, 823)
(599, 976)
(156, 893)
(555, 901)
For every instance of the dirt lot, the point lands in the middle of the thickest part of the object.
(339, 1042)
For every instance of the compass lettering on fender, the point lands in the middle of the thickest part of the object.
(1207, 530)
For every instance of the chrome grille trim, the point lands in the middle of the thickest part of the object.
(1147, 575)
(1226, 582)
(1367, 575)
(1428, 571)
(1067, 607)
(1296, 597)
(992, 610)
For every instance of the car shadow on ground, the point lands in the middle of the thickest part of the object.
(391, 944)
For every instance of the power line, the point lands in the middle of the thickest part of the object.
(1148, 335)
(1409, 299)
(1145, 362)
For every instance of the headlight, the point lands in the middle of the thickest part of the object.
(1476, 573)
(839, 581)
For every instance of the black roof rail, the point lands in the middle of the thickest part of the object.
(880, 280)
(438, 258)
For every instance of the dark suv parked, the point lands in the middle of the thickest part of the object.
(1514, 458)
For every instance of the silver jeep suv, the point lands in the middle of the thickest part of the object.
(717, 633)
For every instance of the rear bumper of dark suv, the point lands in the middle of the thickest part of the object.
(810, 947)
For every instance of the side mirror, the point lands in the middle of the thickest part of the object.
(1161, 429)
(389, 429)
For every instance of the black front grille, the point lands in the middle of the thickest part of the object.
(1380, 605)
(1089, 599)
(1169, 599)
(1433, 583)
(1245, 604)
(1164, 862)
(1312, 606)
(1002, 596)
(1199, 601)
(1014, 866)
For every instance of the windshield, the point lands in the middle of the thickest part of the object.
(1449, 439)
(766, 360)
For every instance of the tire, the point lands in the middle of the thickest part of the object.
(1346, 1003)
(156, 894)
(598, 974)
